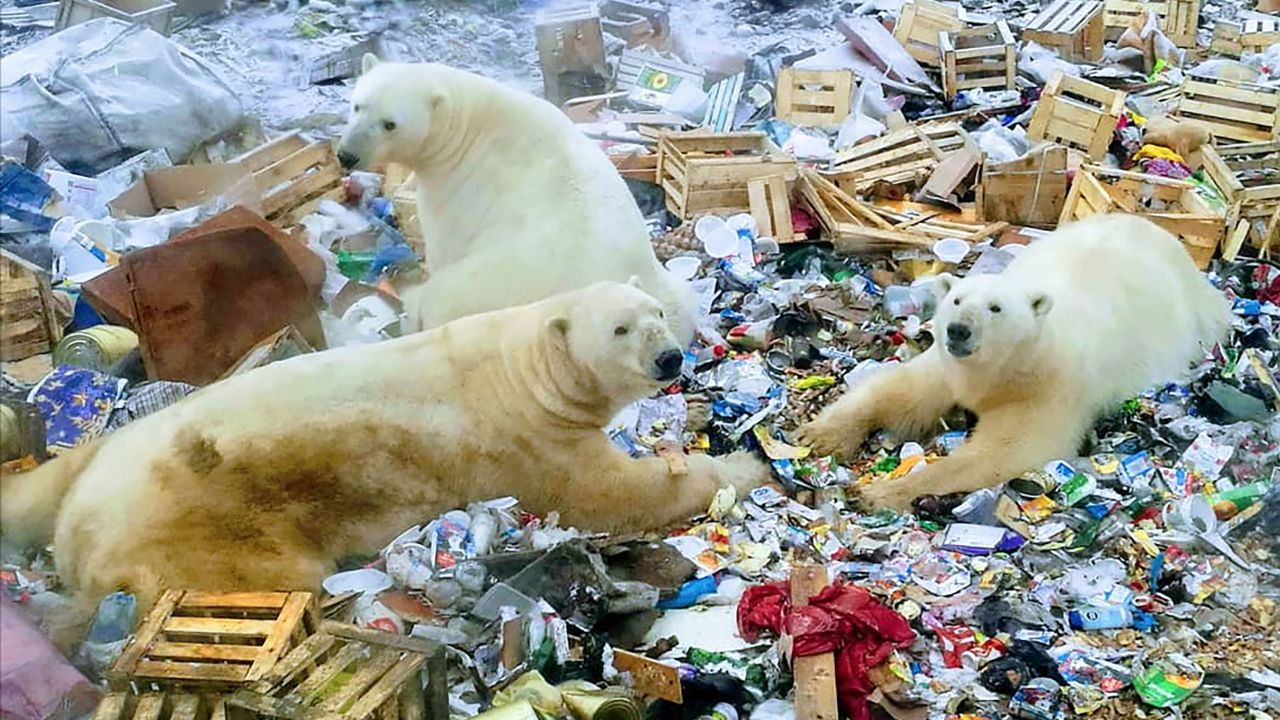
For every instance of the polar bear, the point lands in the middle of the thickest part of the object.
(1082, 320)
(264, 481)
(516, 204)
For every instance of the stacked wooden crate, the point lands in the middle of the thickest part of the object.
(1077, 113)
(903, 157)
(709, 172)
(1246, 35)
(1233, 111)
(982, 57)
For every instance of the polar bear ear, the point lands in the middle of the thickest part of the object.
(943, 284)
(368, 62)
(1041, 304)
(634, 281)
(558, 327)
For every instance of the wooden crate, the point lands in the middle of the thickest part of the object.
(708, 172)
(919, 24)
(903, 157)
(1072, 27)
(1077, 113)
(1238, 171)
(1171, 204)
(293, 175)
(1179, 19)
(28, 324)
(771, 208)
(981, 57)
(160, 706)
(349, 673)
(1247, 35)
(1234, 111)
(156, 14)
(813, 98)
(639, 166)
(213, 640)
(1027, 191)
(571, 51)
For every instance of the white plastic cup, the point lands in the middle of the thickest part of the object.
(721, 243)
(707, 225)
(951, 250)
(743, 224)
(684, 267)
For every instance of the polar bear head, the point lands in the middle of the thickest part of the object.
(391, 113)
(984, 319)
(618, 335)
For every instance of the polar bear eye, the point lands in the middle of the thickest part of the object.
(621, 330)
(356, 108)
(956, 302)
(388, 125)
(995, 308)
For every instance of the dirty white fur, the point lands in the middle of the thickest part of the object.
(264, 481)
(1087, 317)
(516, 204)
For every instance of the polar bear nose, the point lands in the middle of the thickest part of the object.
(957, 332)
(347, 159)
(669, 363)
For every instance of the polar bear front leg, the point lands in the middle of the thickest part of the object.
(1008, 441)
(624, 494)
(907, 400)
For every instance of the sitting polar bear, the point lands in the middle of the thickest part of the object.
(516, 204)
(1081, 321)
(264, 481)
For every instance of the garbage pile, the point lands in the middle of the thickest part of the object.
(810, 194)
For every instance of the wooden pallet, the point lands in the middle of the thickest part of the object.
(1072, 27)
(903, 157)
(28, 324)
(1252, 195)
(813, 98)
(919, 24)
(348, 673)
(1247, 35)
(981, 57)
(1234, 111)
(1179, 19)
(770, 202)
(213, 640)
(1171, 204)
(160, 706)
(1027, 191)
(293, 175)
(1077, 113)
(705, 172)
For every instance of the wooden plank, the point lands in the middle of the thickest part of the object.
(369, 672)
(234, 627)
(203, 651)
(305, 654)
(291, 616)
(386, 686)
(758, 202)
(815, 691)
(650, 677)
(202, 672)
(323, 675)
(239, 601)
(111, 707)
(150, 706)
(185, 707)
(147, 632)
(781, 202)
(264, 155)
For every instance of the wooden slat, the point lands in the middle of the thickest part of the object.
(218, 626)
(321, 676)
(291, 615)
(815, 685)
(202, 651)
(264, 155)
(206, 672)
(237, 601)
(185, 707)
(111, 707)
(386, 687)
(150, 706)
(147, 632)
(368, 673)
(306, 653)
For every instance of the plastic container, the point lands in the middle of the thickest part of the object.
(951, 250)
(684, 267)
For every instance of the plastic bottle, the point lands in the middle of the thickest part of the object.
(1096, 617)
(484, 527)
(114, 618)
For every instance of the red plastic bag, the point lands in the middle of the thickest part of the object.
(36, 682)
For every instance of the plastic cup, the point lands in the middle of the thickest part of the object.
(743, 224)
(707, 225)
(684, 267)
(951, 250)
(721, 243)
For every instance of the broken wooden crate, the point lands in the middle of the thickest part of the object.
(293, 175)
(160, 706)
(813, 98)
(1077, 113)
(155, 14)
(28, 324)
(1233, 111)
(1171, 204)
(770, 205)
(1179, 19)
(348, 673)
(981, 57)
(636, 23)
(1249, 177)
(1072, 27)
(1245, 35)
(709, 172)
(1030, 190)
(213, 641)
(919, 25)
(571, 51)
(903, 157)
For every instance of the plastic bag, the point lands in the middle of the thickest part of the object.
(96, 89)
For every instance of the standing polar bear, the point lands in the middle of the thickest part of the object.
(516, 204)
(264, 481)
(1082, 320)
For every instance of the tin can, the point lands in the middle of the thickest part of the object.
(98, 348)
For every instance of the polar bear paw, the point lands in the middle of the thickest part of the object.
(891, 494)
(831, 436)
(743, 471)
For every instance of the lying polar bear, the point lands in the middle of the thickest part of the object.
(1082, 320)
(264, 481)
(515, 203)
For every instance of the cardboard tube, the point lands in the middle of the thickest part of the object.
(601, 706)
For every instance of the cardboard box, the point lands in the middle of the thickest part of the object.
(184, 186)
